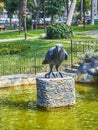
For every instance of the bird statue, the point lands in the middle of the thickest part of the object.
(55, 56)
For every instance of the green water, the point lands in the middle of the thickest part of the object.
(18, 111)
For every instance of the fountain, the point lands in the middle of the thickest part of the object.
(55, 90)
(18, 110)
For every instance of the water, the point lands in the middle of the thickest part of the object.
(18, 110)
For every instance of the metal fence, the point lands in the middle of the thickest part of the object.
(19, 64)
(79, 48)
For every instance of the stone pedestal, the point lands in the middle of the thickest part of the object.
(55, 92)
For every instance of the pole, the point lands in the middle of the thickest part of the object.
(35, 62)
(71, 54)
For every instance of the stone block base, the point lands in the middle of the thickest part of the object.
(55, 92)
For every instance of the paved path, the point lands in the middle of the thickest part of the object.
(93, 33)
(4, 31)
(12, 39)
(16, 39)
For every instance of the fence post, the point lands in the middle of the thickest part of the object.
(35, 62)
(71, 54)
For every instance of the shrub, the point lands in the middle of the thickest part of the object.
(29, 23)
(88, 55)
(8, 48)
(4, 51)
(58, 31)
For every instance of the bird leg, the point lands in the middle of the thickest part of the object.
(59, 72)
(48, 75)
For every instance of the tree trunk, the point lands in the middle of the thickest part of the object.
(92, 12)
(20, 11)
(81, 10)
(36, 18)
(44, 14)
(71, 12)
(24, 18)
(84, 10)
(67, 7)
(10, 17)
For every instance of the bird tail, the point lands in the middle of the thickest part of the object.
(45, 62)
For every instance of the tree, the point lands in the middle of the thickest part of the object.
(92, 12)
(44, 13)
(79, 7)
(34, 8)
(24, 16)
(81, 10)
(53, 8)
(84, 11)
(11, 6)
(1, 7)
(20, 14)
(71, 11)
(67, 7)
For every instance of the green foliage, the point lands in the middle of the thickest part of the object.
(29, 23)
(8, 48)
(58, 30)
(87, 6)
(54, 7)
(88, 55)
(11, 6)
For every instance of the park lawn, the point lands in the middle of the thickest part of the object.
(33, 33)
(87, 28)
(15, 34)
(24, 62)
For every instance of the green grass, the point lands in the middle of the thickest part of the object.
(33, 33)
(87, 28)
(24, 62)
(15, 34)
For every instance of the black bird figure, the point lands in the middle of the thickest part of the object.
(55, 56)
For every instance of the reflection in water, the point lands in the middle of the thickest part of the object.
(19, 110)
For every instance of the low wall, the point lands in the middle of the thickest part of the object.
(55, 92)
(18, 79)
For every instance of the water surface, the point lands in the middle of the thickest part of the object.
(18, 110)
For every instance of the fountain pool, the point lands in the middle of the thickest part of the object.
(18, 110)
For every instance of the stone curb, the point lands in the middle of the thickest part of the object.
(18, 79)
(21, 79)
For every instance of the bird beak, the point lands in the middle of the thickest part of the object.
(58, 49)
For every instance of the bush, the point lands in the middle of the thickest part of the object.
(58, 31)
(9, 48)
(29, 23)
(88, 55)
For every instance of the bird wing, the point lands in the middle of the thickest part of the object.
(49, 56)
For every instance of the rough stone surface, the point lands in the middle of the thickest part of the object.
(18, 79)
(55, 92)
(22, 79)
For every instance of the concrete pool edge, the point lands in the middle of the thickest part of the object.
(21, 79)
(17, 79)
(25, 79)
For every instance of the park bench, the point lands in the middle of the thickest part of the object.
(2, 27)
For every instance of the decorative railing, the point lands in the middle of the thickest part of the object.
(21, 64)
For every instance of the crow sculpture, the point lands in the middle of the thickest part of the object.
(55, 56)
